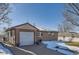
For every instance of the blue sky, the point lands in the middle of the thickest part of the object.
(46, 16)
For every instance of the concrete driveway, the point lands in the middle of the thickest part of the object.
(41, 50)
(37, 49)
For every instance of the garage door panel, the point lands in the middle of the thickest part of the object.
(26, 38)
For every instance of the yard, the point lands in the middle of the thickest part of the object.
(72, 43)
(73, 46)
(47, 48)
(59, 46)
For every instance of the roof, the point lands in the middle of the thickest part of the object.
(21, 25)
(42, 30)
(48, 31)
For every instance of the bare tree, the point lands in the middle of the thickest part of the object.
(72, 13)
(65, 28)
(5, 21)
(4, 11)
(74, 8)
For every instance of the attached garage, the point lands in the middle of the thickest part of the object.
(26, 38)
(23, 34)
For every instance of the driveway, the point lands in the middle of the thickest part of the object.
(32, 50)
(41, 50)
(37, 49)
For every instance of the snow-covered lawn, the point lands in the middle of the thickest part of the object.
(4, 50)
(74, 48)
(58, 46)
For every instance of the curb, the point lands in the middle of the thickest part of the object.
(26, 51)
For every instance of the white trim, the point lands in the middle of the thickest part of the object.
(38, 34)
(26, 51)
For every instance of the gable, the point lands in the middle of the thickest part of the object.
(26, 26)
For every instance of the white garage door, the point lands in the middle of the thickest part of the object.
(26, 38)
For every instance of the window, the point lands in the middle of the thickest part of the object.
(52, 34)
(7, 34)
(49, 33)
(10, 33)
(38, 33)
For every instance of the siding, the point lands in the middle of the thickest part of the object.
(11, 37)
(46, 35)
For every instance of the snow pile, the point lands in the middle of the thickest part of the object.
(4, 50)
(58, 46)
(74, 48)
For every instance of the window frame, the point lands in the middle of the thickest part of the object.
(38, 34)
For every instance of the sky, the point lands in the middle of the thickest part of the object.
(45, 16)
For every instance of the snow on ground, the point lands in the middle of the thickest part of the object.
(4, 50)
(74, 48)
(58, 46)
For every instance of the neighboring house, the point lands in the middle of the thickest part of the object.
(27, 34)
(72, 36)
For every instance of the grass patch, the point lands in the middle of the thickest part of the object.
(73, 43)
